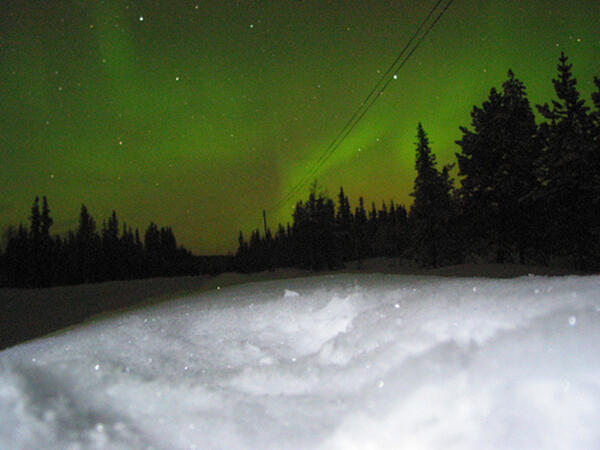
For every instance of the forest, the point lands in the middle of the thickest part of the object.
(529, 193)
(34, 258)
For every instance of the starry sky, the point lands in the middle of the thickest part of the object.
(200, 114)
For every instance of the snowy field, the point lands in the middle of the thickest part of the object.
(332, 362)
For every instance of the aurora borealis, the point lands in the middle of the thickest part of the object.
(200, 114)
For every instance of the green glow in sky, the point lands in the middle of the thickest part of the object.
(200, 114)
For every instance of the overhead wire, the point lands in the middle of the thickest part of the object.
(306, 177)
(368, 102)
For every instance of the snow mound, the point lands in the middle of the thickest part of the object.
(344, 361)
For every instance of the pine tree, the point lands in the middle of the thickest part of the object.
(569, 170)
(87, 252)
(35, 244)
(314, 232)
(344, 225)
(432, 208)
(46, 220)
(595, 115)
(361, 243)
(111, 248)
(47, 254)
(17, 257)
(497, 163)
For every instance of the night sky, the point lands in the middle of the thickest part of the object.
(200, 114)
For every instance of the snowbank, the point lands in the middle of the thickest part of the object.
(335, 361)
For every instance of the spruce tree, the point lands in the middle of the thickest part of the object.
(111, 248)
(569, 171)
(432, 208)
(17, 257)
(361, 243)
(35, 229)
(595, 115)
(35, 245)
(47, 254)
(344, 225)
(46, 220)
(87, 252)
(314, 232)
(497, 166)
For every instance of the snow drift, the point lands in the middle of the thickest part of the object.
(337, 361)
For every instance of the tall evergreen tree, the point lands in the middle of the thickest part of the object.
(344, 225)
(111, 248)
(432, 208)
(596, 144)
(314, 232)
(17, 257)
(40, 267)
(47, 252)
(569, 170)
(35, 244)
(497, 163)
(87, 252)
(361, 243)
(46, 220)
(596, 101)
(35, 229)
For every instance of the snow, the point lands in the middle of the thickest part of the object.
(345, 360)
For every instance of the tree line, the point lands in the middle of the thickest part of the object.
(34, 258)
(529, 193)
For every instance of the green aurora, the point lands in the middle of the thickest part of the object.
(200, 114)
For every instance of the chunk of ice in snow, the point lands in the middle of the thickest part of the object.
(290, 293)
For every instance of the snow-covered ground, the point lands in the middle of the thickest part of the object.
(336, 361)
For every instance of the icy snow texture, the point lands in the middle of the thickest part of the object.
(344, 361)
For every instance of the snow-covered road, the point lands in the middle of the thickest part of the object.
(337, 361)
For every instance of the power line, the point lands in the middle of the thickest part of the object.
(368, 102)
(340, 136)
(374, 99)
(348, 124)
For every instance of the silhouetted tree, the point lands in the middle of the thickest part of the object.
(283, 247)
(569, 171)
(112, 251)
(47, 251)
(17, 257)
(153, 263)
(35, 243)
(497, 163)
(595, 116)
(88, 249)
(344, 226)
(596, 113)
(314, 232)
(242, 255)
(432, 209)
(400, 233)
